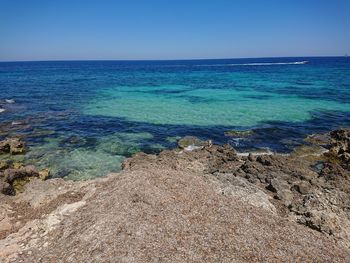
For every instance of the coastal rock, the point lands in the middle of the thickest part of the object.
(277, 185)
(28, 171)
(4, 164)
(210, 198)
(13, 179)
(12, 146)
(303, 187)
(167, 205)
(340, 146)
(44, 174)
(6, 188)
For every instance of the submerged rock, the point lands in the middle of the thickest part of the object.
(190, 141)
(234, 133)
(319, 139)
(12, 146)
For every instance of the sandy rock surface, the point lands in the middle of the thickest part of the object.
(207, 205)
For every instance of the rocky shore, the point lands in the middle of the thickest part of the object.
(198, 203)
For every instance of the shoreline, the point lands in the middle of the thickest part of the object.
(301, 191)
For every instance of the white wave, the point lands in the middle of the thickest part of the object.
(2, 110)
(256, 64)
(15, 123)
(10, 101)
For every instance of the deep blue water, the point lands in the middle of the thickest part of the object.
(81, 118)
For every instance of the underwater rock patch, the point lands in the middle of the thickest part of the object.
(190, 141)
(234, 133)
(12, 146)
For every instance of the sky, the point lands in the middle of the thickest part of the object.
(172, 29)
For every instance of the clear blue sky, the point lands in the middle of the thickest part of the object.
(172, 29)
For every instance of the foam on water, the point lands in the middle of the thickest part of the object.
(256, 64)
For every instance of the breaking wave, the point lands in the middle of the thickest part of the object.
(256, 64)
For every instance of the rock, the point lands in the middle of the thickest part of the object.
(321, 221)
(12, 146)
(4, 164)
(234, 133)
(17, 165)
(286, 196)
(340, 146)
(277, 185)
(6, 188)
(44, 174)
(303, 187)
(18, 184)
(192, 141)
(306, 151)
(264, 160)
(251, 157)
(13, 174)
(340, 140)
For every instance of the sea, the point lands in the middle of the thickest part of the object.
(81, 119)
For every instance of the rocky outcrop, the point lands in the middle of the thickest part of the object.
(340, 146)
(14, 175)
(165, 208)
(207, 204)
(12, 180)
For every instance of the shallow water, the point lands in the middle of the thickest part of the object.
(82, 118)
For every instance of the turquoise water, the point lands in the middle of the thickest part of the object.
(82, 119)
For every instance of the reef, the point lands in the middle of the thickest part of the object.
(197, 203)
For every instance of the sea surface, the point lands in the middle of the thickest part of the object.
(82, 118)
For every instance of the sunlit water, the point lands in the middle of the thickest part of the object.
(82, 119)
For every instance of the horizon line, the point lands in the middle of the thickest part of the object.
(178, 59)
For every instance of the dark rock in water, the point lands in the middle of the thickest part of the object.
(190, 141)
(239, 133)
(12, 146)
